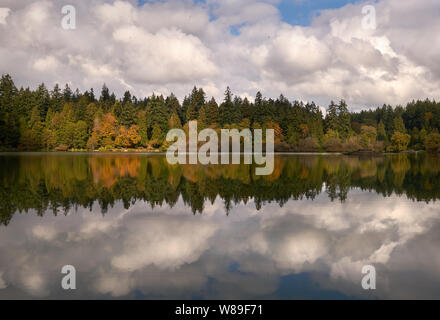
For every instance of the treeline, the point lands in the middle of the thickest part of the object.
(60, 119)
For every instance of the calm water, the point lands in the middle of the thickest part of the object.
(135, 227)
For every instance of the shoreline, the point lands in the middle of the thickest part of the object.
(143, 152)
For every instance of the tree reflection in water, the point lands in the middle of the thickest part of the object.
(58, 182)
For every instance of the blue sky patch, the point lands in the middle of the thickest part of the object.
(301, 12)
(297, 12)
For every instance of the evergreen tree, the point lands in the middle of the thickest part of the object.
(157, 114)
(67, 94)
(212, 113)
(174, 122)
(126, 118)
(246, 110)
(80, 135)
(9, 119)
(81, 108)
(127, 98)
(338, 119)
(90, 115)
(202, 122)
(331, 119)
(156, 136)
(105, 94)
(228, 113)
(42, 100)
(173, 105)
(142, 127)
(56, 99)
(344, 119)
(197, 101)
(398, 125)
(381, 133)
(259, 111)
(183, 111)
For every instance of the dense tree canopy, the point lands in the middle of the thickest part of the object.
(57, 119)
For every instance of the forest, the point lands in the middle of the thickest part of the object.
(66, 120)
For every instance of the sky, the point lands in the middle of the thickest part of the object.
(307, 50)
(301, 12)
(297, 12)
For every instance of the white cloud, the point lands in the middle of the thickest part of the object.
(46, 64)
(164, 57)
(4, 13)
(172, 45)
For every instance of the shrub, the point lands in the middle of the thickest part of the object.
(378, 146)
(282, 147)
(333, 145)
(400, 141)
(368, 136)
(352, 144)
(307, 145)
(432, 142)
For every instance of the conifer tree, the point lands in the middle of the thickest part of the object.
(212, 112)
(157, 114)
(67, 94)
(381, 133)
(228, 113)
(246, 110)
(174, 122)
(202, 122)
(172, 104)
(142, 127)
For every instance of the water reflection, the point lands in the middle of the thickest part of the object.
(303, 232)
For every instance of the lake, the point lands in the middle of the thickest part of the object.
(136, 227)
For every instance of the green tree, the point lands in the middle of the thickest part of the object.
(56, 99)
(381, 132)
(432, 142)
(197, 101)
(157, 136)
(331, 119)
(67, 94)
(261, 110)
(142, 127)
(247, 111)
(400, 141)
(344, 119)
(398, 125)
(157, 114)
(338, 119)
(174, 122)
(80, 135)
(212, 112)
(9, 119)
(202, 122)
(228, 112)
(172, 104)
(49, 139)
(368, 136)
(127, 116)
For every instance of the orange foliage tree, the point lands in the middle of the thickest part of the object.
(128, 137)
(104, 132)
